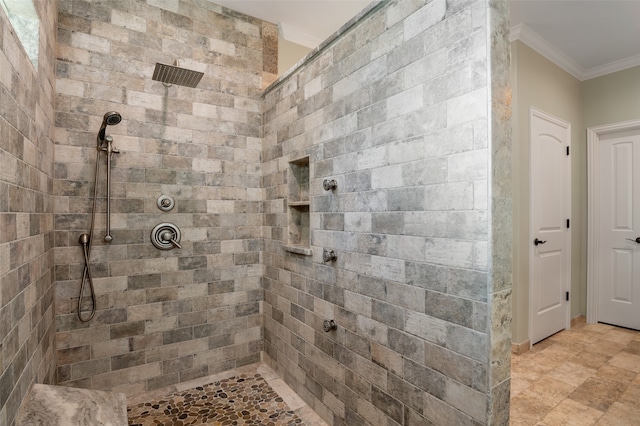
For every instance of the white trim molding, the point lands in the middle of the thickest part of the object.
(593, 208)
(539, 44)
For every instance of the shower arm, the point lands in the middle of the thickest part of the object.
(109, 149)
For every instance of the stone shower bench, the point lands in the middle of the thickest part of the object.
(64, 406)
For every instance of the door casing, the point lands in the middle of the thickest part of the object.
(593, 208)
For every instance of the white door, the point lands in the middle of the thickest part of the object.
(619, 253)
(550, 214)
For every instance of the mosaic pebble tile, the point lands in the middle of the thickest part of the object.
(245, 399)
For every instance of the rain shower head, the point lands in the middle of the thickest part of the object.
(169, 74)
(110, 119)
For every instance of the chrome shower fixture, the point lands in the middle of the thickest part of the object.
(329, 184)
(105, 144)
(110, 119)
(169, 74)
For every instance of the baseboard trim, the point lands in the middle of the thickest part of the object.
(520, 348)
(579, 320)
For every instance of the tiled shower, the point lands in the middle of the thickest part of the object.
(407, 110)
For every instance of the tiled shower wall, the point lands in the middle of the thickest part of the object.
(27, 325)
(162, 316)
(400, 112)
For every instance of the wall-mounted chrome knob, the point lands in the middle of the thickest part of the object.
(329, 184)
(165, 203)
(166, 236)
(329, 255)
(328, 325)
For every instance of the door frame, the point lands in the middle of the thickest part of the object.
(541, 114)
(593, 208)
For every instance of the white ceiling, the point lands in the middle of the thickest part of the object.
(587, 38)
(305, 22)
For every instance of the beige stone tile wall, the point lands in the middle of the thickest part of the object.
(399, 111)
(163, 317)
(27, 326)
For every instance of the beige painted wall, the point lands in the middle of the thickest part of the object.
(612, 98)
(539, 83)
(289, 54)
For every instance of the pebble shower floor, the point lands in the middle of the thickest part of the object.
(245, 399)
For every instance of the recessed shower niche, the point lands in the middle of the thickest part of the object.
(298, 207)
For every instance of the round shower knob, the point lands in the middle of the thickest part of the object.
(329, 184)
(166, 236)
(166, 203)
(329, 325)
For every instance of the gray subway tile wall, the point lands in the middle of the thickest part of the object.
(407, 109)
(397, 112)
(162, 317)
(27, 325)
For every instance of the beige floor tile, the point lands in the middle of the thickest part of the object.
(528, 408)
(575, 376)
(606, 347)
(627, 361)
(571, 413)
(619, 336)
(551, 391)
(631, 396)
(633, 347)
(586, 336)
(572, 374)
(598, 328)
(614, 373)
(590, 359)
(620, 415)
(598, 393)
(519, 385)
(568, 348)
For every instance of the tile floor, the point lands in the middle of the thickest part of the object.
(250, 395)
(589, 375)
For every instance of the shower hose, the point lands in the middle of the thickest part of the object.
(85, 241)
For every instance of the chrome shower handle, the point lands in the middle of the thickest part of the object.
(166, 236)
(170, 236)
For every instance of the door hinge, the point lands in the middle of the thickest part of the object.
(568, 223)
(567, 296)
(567, 150)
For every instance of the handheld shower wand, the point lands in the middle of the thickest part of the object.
(110, 119)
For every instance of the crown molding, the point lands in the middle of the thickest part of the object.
(539, 44)
(533, 40)
(611, 67)
(294, 35)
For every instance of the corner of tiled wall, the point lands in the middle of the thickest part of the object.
(27, 326)
(397, 111)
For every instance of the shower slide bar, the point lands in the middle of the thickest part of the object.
(104, 144)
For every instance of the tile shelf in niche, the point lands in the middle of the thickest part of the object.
(299, 203)
(298, 211)
(303, 250)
